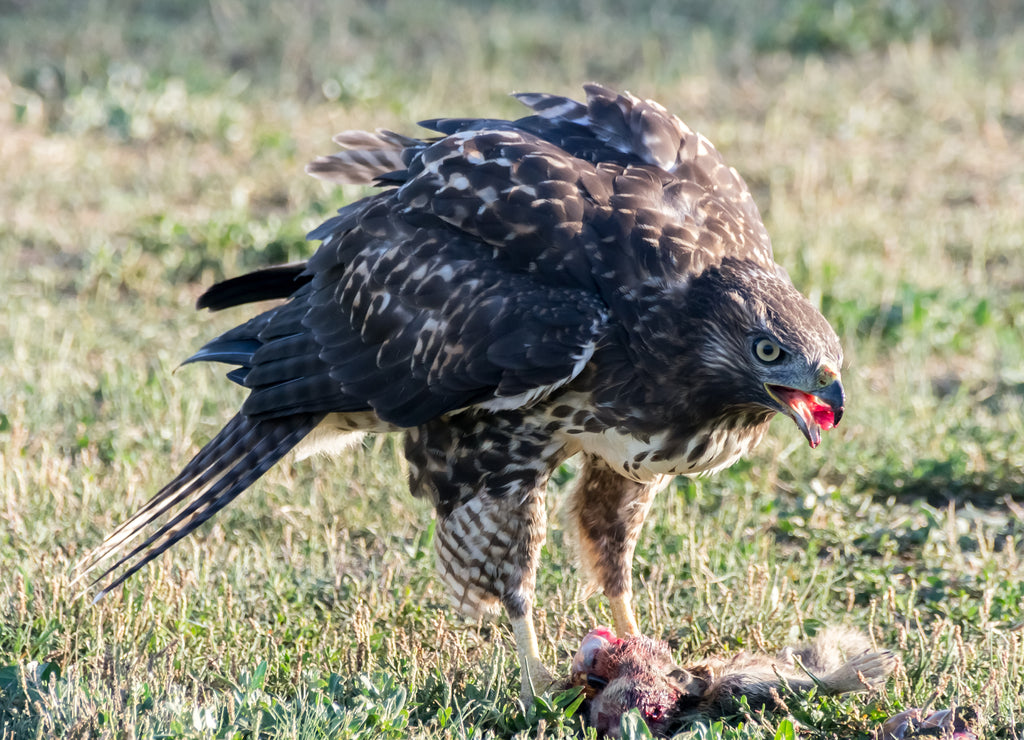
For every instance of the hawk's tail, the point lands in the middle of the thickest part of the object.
(232, 461)
(368, 157)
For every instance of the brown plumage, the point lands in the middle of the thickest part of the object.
(589, 279)
(640, 673)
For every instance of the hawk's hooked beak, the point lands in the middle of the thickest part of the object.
(814, 411)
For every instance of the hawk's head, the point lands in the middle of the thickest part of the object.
(744, 341)
(772, 347)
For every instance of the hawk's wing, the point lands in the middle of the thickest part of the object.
(608, 130)
(367, 157)
(269, 283)
(486, 276)
(416, 318)
(620, 128)
(402, 314)
(409, 322)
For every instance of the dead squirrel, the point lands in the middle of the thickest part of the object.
(638, 672)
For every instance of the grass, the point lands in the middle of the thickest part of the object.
(148, 156)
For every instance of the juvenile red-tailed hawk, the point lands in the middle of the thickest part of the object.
(591, 279)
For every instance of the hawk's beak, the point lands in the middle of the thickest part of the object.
(814, 411)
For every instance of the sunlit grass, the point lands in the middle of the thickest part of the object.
(144, 159)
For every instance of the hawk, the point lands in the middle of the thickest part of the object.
(591, 279)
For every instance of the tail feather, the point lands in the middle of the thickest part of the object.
(232, 461)
(165, 498)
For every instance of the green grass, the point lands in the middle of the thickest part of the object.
(145, 157)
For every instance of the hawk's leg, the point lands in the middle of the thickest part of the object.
(488, 549)
(487, 478)
(608, 511)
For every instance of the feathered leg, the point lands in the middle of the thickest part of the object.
(487, 479)
(488, 549)
(609, 511)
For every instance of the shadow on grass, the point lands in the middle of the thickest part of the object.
(941, 483)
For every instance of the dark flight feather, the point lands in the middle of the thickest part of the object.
(267, 284)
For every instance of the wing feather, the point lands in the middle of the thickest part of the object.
(367, 157)
(485, 275)
(267, 284)
(646, 130)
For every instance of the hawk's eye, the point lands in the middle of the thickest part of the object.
(596, 682)
(767, 350)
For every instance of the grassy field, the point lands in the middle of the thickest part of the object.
(147, 152)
